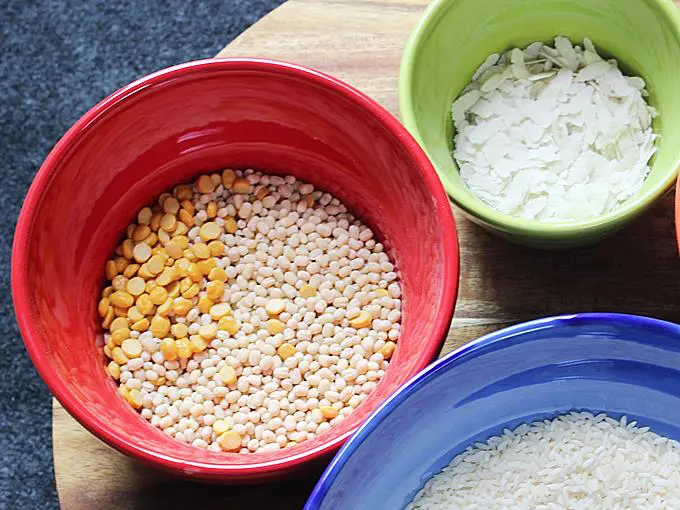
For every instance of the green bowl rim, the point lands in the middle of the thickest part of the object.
(478, 208)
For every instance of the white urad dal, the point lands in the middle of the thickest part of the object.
(553, 134)
(316, 305)
(576, 461)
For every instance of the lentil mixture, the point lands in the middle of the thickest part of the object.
(248, 312)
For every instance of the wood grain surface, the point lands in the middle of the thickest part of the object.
(361, 41)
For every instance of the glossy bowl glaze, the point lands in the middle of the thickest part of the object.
(455, 36)
(619, 364)
(165, 129)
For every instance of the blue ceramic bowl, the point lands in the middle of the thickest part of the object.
(619, 364)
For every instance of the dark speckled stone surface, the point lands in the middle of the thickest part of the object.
(59, 58)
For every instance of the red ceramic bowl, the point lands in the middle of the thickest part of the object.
(166, 129)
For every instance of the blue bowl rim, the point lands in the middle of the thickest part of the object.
(424, 376)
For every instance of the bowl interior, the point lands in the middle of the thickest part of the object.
(456, 36)
(165, 130)
(616, 364)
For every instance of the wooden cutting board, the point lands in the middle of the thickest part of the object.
(361, 41)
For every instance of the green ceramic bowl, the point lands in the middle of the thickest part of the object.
(455, 36)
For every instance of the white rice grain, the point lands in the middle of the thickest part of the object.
(576, 461)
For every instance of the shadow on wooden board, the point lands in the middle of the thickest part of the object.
(634, 271)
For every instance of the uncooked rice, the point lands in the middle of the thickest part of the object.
(576, 461)
(553, 133)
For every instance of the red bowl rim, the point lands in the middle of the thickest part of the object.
(22, 295)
